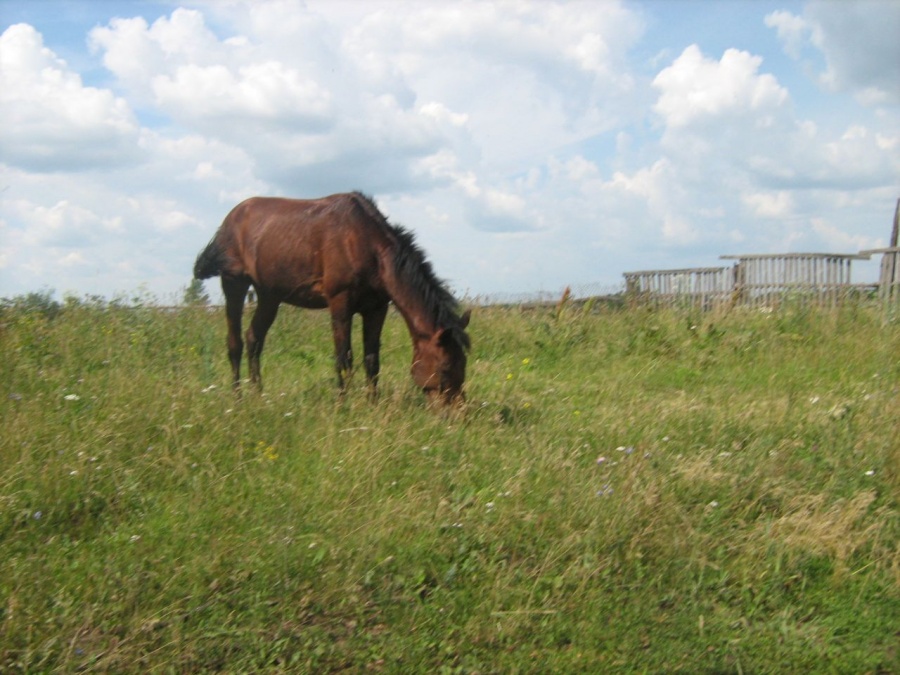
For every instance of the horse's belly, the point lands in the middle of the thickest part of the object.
(309, 297)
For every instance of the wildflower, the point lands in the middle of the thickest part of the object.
(870, 472)
(713, 504)
(509, 376)
(37, 515)
(489, 505)
(267, 451)
(626, 449)
(72, 397)
(526, 361)
(600, 460)
(605, 490)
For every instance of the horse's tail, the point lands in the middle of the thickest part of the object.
(210, 262)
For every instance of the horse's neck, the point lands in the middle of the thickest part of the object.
(409, 302)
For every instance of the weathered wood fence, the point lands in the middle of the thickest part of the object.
(889, 276)
(701, 287)
(755, 279)
(767, 279)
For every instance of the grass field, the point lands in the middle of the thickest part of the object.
(628, 491)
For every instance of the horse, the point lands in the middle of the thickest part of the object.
(337, 252)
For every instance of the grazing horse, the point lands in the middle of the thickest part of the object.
(337, 252)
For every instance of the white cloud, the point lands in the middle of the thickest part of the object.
(695, 89)
(858, 41)
(137, 52)
(267, 91)
(769, 204)
(835, 239)
(792, 30)
(59, 123)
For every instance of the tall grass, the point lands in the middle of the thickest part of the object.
(627, 491)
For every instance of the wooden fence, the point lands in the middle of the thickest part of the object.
(702, 287)
(889, 276)
(767, 279)
(755, 279)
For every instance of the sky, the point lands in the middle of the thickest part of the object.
(529, 145)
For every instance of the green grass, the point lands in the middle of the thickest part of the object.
(628, 491)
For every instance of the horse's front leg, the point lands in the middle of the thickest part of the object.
(341, 324)
(373, 322)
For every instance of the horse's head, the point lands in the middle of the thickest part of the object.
(439, 363)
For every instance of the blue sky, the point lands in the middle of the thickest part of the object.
(530, 145)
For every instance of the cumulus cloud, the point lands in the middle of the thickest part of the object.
(858, 41)
(696, 89)
(284, 92)
(793, 31)
(59, 123)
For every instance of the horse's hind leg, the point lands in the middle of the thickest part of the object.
(235, 291)
(341, 323)
(266, 311)
(373, 322)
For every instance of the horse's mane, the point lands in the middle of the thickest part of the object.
(415, 271)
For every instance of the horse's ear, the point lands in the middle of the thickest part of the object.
(464, 319)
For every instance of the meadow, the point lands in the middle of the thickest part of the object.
(627, 490)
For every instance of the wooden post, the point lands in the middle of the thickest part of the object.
(896, 229)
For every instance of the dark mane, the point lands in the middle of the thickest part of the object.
(414, 269)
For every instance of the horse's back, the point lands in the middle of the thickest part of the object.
(304, 249)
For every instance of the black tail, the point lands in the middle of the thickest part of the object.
(210, 262)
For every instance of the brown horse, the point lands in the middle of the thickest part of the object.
(337, 252)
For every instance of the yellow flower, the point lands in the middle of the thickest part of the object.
(267, 451)
(526, 361)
